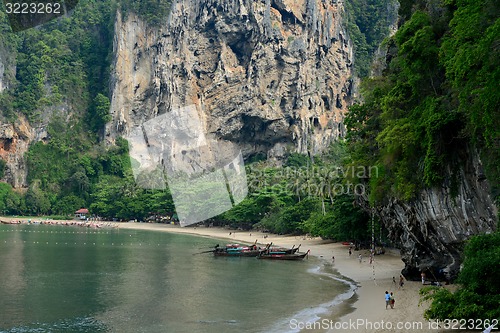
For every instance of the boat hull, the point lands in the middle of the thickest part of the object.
(294, 256)
(236, 254)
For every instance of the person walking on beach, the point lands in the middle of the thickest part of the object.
(401, 281)
(422, 275)
(392, 300)
(387, 299)
(360, 258)
(350, 252)
(394, 281)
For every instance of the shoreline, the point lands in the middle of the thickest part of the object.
(363, 311)
(367, 302)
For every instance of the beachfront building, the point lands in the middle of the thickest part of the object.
(81, 214)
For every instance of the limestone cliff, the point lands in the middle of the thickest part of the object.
(430, 230)
(270, 76)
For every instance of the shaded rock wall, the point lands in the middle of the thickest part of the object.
(431, 230)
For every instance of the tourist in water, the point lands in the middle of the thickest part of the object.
(387, 299)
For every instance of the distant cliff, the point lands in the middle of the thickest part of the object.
(272, 76)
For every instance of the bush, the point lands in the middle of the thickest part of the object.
(479, 294)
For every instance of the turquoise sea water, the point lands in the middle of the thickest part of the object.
(71, 279)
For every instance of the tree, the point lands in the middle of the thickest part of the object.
(5, 192)
(67, 205)
(14, 204)
(36, 200)
(342, 221)
(99, 114)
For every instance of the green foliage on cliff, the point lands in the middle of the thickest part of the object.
(61, 82)
(479, 294)
(155, 12)
(66, 174)
(438, 96)
(64, 64)
(367, 22)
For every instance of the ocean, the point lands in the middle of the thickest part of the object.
(62, 279)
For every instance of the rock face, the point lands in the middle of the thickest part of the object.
(270, 76)
(431, 230)
(2, 71)
(14, 142)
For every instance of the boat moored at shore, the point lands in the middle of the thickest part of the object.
(283, 256)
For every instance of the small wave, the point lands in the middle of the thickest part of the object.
(313, 314)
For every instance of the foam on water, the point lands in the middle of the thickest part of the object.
(313, 314)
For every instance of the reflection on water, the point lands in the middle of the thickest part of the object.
(65, 279)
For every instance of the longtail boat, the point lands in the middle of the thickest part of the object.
(282, 256)
(237, 250)
(10, 222)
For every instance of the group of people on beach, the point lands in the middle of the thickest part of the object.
(389, 299)
(360, 257)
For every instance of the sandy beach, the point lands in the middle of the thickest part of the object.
(368, 312)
